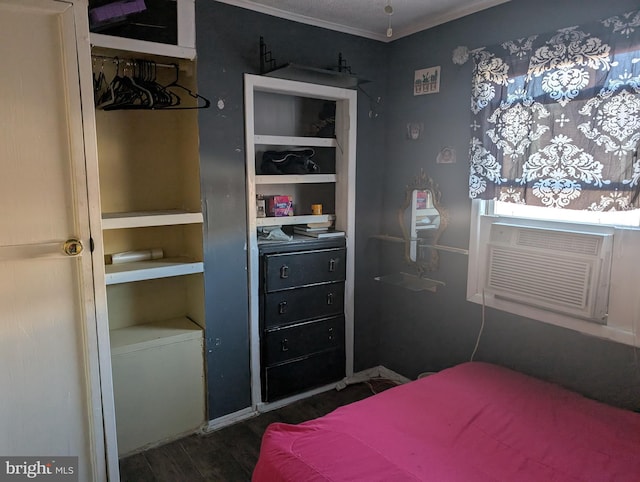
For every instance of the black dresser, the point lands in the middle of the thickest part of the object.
(302, 341)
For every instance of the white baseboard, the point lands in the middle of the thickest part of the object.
(375, 372)
(391, 375)
(229, 419)
(249, 412)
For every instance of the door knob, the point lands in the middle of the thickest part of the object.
(72, 247)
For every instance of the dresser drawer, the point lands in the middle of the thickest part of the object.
(302, 339)
(303, 374)
(317, 301)
(289, 270)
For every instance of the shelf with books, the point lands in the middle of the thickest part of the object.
(291, 220)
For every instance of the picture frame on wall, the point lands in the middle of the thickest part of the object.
(426, 81)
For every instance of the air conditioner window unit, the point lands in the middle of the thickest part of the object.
(563, 271)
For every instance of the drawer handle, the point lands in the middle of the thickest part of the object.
(284, 344)
(284, 271)
(282, 307)
(330, 298)
(332, 265)
(330, 333)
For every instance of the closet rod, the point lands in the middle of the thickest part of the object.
(117, 60)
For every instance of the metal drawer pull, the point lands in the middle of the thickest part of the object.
(330, 298)
(330, 333)
(332, 265)
(284, 345)
(282, 307)
(284, 271)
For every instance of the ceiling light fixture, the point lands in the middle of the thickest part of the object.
(389, 11)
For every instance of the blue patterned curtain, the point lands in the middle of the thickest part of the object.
(556, 118)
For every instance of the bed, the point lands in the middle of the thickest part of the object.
(473, 422)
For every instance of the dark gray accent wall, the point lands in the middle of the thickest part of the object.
(228, 46)
(406, 331)
(422, 332)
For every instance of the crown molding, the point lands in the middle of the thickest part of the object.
(398, 32)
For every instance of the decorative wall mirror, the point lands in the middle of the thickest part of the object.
(422, 220)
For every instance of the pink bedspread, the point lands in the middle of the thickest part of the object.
(474, 422)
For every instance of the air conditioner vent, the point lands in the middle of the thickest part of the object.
(559, 241)
(539, 278)
(561, 271)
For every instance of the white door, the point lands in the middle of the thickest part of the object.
(49, 398)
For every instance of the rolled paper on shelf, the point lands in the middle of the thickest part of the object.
(131, 256)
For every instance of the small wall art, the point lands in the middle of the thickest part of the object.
(414, 130)
(426, 81)
(447, 155)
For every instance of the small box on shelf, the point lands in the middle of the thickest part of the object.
(279, 206)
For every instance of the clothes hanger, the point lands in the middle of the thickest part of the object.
(140, 89)
(128, 94)
(146, 75)
(202, 102)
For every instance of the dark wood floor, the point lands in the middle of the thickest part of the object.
(229, 454)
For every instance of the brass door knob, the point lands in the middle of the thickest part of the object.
(72, 247)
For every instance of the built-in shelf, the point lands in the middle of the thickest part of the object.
(152, 269)
(142, 46)
(289, 220)
(139, 337)
(295, 141)
(278, 116)
(143, 219)
(296, 179)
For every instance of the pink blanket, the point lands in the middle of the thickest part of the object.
(473, 422)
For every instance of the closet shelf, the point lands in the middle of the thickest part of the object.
(295, 141)
(289, 220)
(148, 335)
(295, 179)
(142, 219)
(142, 46)
(153, 269)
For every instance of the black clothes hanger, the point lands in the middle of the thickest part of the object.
(137, 88)
(123, 93)
(202, 102)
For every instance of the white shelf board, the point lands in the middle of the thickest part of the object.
(289, 220)
(148, 335)
(152, 269)
(295, 141)
(296, 179)
(142, 219)
(142, 46)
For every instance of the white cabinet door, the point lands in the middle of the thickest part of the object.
(49, 399)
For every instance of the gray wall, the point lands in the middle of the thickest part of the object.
(405, 331)
(228, 46)
(427, 331)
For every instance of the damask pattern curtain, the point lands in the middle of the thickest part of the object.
(556, 118)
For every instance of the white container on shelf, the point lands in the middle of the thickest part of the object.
(137, 255)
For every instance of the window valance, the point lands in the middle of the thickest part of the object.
(556, 117)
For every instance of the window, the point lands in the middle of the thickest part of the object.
(555, 177)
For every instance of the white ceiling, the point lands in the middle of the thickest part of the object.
(367, 18)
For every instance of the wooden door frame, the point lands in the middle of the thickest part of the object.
(97, 340)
